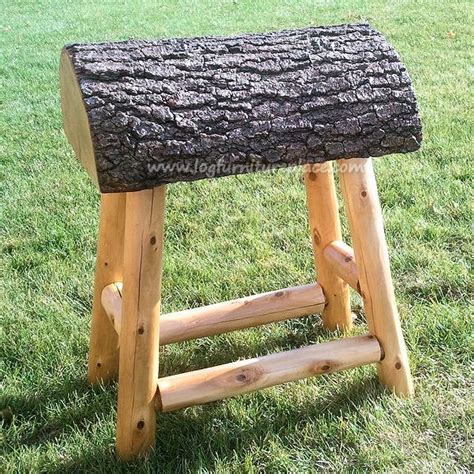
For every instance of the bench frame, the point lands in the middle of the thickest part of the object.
(130, 248)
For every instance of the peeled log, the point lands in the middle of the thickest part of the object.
(223, 381)
(143, 113)
(227, 316)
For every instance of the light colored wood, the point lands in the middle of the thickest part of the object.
(139, 336)
(112, 303)
(325, 228)
(103, 347)
(340, 258)
(366, 221)
(75, 120)
(223, 381)
(227, 316)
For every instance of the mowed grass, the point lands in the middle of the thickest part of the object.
(234, 237)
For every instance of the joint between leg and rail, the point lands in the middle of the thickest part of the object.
(340, 258)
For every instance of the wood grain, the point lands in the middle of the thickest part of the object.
(104, 343)
(368, 239)
(139, 336)
(227, 316)
(325, 228)
(236, 378)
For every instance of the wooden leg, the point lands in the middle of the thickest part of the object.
(103, 352)
(325, 228)
(139, 336)
(371, 254)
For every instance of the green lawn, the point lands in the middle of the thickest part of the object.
(234, 237)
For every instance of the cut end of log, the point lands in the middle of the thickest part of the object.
(75, 118)
(158, 402)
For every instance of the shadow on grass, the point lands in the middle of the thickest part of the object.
(188, 439)
(192, 439)
(203, 353)
(219, 430)
(80, 403)
(76, 404)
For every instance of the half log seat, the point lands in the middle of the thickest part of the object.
(142, 114)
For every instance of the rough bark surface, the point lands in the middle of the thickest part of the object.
(185, 109)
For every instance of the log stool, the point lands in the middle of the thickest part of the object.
(142, 114)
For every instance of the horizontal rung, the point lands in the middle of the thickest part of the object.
(227, 316)
(223, 381)
(340, 257)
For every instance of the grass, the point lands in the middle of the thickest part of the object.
(227, 238)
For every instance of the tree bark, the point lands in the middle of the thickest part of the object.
(155, 112)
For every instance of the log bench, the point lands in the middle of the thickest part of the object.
(142, 114)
